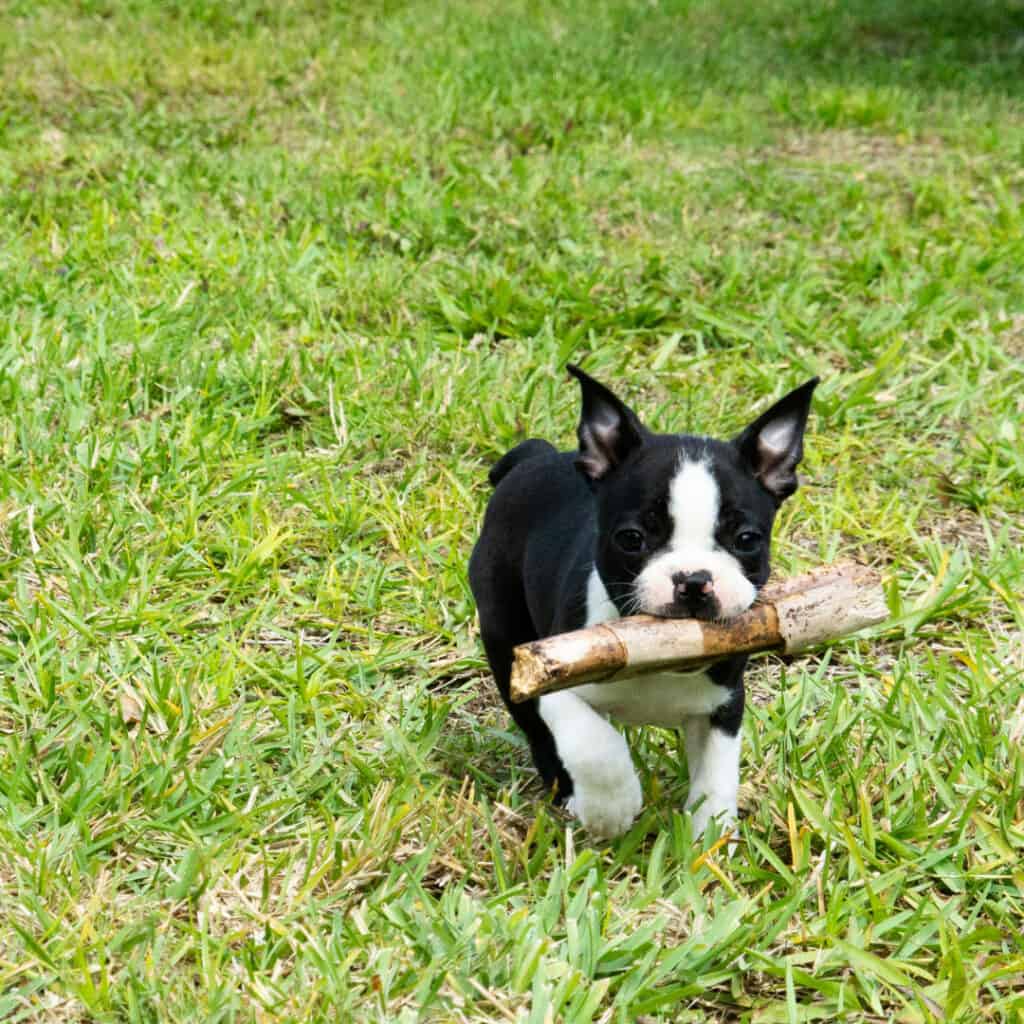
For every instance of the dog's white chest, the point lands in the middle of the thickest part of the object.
(664, 698)
(660, 699)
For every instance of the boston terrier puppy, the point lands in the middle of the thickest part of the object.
(673, 525)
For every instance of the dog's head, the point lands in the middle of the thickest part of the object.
(684, 522)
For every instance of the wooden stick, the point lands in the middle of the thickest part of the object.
(789, 615)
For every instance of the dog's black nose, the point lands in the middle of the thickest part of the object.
(692, 589)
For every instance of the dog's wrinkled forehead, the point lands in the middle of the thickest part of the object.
(694, 481)
(694, 502)
(644, 482)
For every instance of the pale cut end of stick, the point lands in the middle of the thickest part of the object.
(790, 615)
(841, 603)
(583, 655)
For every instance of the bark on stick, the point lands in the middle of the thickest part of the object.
(789, 615)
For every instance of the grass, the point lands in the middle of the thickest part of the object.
(279, 281)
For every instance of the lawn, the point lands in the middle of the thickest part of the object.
(279, 281)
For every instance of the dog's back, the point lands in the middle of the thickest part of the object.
(529, 449)
(539, 526)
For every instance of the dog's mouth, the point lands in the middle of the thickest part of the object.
(672, 611)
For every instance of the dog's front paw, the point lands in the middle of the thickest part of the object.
(723, 811)
(606, 794)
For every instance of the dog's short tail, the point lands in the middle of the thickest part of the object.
(527, 450)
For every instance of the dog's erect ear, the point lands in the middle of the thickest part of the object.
(773, 445)
(608, 430)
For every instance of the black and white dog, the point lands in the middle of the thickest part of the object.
(668, 524)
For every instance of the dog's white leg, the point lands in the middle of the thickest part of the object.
(695, 729)
(606, 795)
(714, 762)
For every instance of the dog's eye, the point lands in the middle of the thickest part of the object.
(748, 540)
(631, 541)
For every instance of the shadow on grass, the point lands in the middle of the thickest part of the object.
(941, 44)
(733, 47)
(936, 45)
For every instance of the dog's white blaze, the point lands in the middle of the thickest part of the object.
(693, 504)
